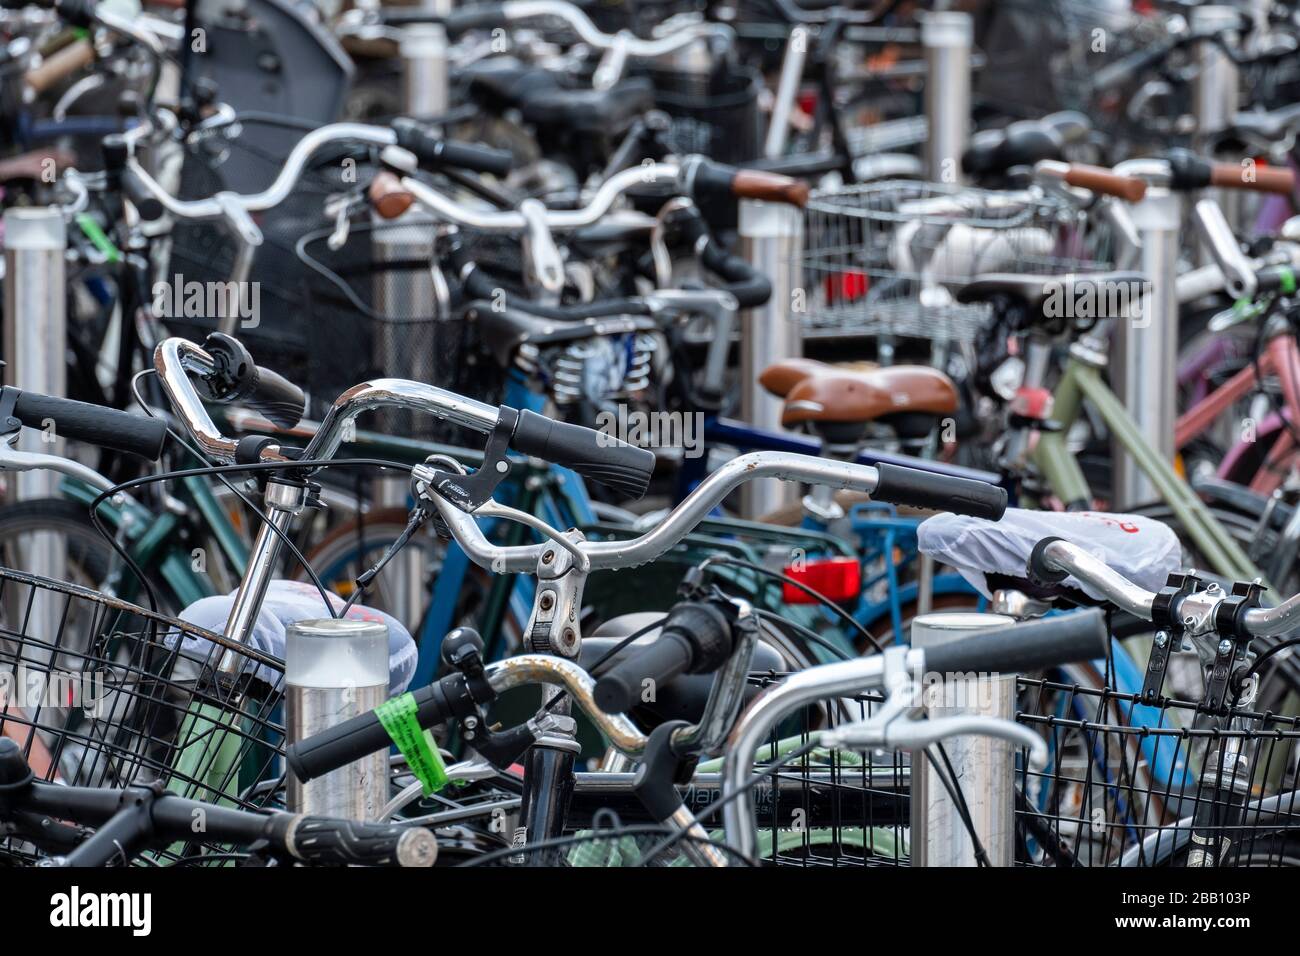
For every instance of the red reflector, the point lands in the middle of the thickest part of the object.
(839, 579)
(808, 101)
(845, 286)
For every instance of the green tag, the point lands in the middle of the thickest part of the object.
(98, 238)
(1288, 281)
(416, 744)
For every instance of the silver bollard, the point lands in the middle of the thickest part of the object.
(1143, 372)
(1216, 97)
(984, 766)
(771, 239)
(403, 295)
(426, 69)
(946, 37)
(334, 670)
(35, 330)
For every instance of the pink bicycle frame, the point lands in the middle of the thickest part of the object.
(1281, 358)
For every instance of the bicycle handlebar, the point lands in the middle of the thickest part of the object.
(105, 427)
(129, 820)
(1051, 642)
(891, 483)
(1055, 559)
(694, 177)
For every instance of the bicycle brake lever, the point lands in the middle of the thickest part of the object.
(908, 734)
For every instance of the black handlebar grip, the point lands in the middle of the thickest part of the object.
(750, 287)
(923, 489)
(282, 402)
(482, 17)
(1049, 642)
(619, 689)
(105, 427)
(603, 458)
(361, 736)
(144, 201)
(332, 842)
(435, 153)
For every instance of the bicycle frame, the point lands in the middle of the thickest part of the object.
(1082, 381)
(1281, 358)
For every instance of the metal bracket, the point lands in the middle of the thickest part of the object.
(10, 425)
(1177, 586)
(471, 492)
(554, 627)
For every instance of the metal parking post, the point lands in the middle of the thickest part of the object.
(35, 330)
(946, 37)
(984, 767)
(335, 669)
(1216, 93)
(771, 239)
(1144, 372)
(402, 295)
(426, 70)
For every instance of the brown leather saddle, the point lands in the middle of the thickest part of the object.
(840, 402)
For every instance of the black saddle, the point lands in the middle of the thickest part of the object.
(505, 330)
(543, 98)
(684, 697)
(1053, 302)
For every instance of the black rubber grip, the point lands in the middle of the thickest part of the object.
(750, 287)
(603, 458)
(1187, 171)
(483, 17)
(1023, 648)
(144, 201)
(361, 736)
(642, 670)
(922, 489)
(435, 153)
(332, 842)
(105, 427)
(282, 402)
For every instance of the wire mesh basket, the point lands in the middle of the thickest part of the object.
(887, 258)
(1133, 784)
(1048, 52)
(715, 114)
(99, 692)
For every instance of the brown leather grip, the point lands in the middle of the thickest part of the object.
(769, 187)
(387, 196)
(1266, 179)
(1104, 182)
(58, 65)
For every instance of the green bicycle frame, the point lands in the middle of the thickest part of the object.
(1060, 468)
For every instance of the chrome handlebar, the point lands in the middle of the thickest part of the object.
(514, 221)
(679, 523)
(222, 204)
(1196, 610)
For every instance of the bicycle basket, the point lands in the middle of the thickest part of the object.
(99, 692)
(715, 114)
(886, 258)
(1136, 784)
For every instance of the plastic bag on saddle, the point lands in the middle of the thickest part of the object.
(1142, 549)
(290, 601)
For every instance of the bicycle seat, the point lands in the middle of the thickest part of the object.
(505, 330)
(1037, 291)
(1142, 549)
(1270, 126)
(684, 697)
(542, 98)
(909, 398)
(782, 376)
(290, 601)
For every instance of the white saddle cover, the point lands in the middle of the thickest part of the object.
(290, 601)
(1142, 549)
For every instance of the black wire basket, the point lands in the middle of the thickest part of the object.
(1135, 784)
(715, 114)
(99, 692)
